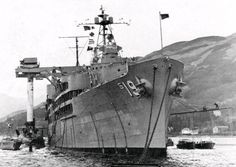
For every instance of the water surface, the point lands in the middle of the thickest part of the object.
(223, 155)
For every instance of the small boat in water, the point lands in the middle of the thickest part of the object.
(10, 144)
(186, 144)
(199, 143)
(204, 144)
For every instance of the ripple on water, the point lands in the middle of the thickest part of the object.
(219, 156)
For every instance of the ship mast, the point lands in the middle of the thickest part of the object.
(76, 46)
(103, 21)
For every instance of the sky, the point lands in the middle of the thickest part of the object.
(31, 28)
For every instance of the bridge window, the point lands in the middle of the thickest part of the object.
(67, 96)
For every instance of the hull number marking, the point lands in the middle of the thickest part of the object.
(130, 88)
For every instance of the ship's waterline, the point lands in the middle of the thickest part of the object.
(114, 118)
(221, 155)
(114, 105)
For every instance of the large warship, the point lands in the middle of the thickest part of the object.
(114, 105)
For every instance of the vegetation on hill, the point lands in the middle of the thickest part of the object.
(210, 65)
(19, 119)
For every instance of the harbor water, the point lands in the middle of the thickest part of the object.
(223, 155)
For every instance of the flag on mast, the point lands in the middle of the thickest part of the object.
(91, 41)
(164, 16)
(88, 28)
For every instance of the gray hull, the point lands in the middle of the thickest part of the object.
(113, 117)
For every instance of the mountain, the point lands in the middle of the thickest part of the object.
(18, 119)
(209, 72)
(210, 69)
(10, 104)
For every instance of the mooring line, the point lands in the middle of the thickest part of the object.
(162, 100)
(154, 128)
(150, 116)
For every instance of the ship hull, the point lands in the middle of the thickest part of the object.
(114, 118)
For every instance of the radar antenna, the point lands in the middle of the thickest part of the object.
(104, 23)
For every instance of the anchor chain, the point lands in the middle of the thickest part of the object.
(149, 140)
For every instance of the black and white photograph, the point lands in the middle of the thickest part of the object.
(118, 83)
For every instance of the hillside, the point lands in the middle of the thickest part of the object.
(10, 104)
(18, 119)
(210, 65)
(210, 72)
